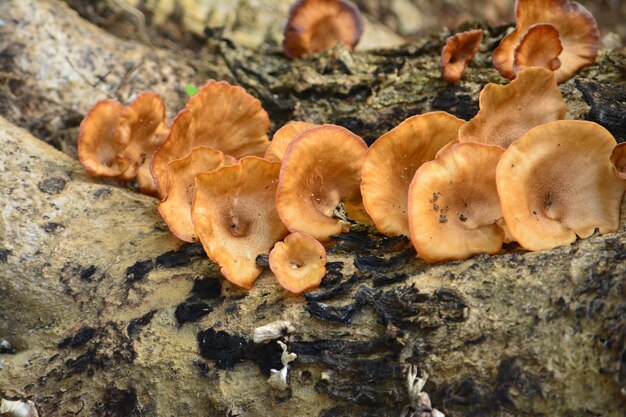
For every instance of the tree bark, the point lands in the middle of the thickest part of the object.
(105, 313)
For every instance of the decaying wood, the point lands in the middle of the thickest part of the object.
(103, 312)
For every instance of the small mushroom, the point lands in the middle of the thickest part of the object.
(453, 204)
(315, 25)
(282, 138)
(299, 262)
(577, 29)
(557, 182)
(458, 51)
(176, 208)
(221, 116)
(390, 164)
(618, 159)
(539, 47)
(234, 215)
(321, 168)
(509, 111)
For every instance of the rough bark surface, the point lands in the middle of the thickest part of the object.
(105, 313)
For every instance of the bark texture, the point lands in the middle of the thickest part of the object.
(105, 313)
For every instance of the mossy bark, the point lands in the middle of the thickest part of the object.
(107, 314)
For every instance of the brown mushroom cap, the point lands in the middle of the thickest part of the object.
(176, 208)
(539, 47)
(509, 111)
(557, 182)
(282, 138)
(221, 116)
(458, 51)
(315, 25)
(321, 168)
(299, 262)
(454, 206)
(390, 164)
(101, 142)
(234, 215)
(577, 29)
(618, 159)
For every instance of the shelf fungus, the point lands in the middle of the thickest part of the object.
(221, 116)
(118, 142)
(557, 182)
(458, 51)
(278, 378)
(453, 204)
(507, 112)
(282, 138)
(321, 168)
(390, 164)
(315, 25)
(618, 159)
(577, 31)
(299, 263)
(175, 209)
(235, 218)
(539, 47)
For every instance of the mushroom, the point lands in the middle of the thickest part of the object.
(234, 215)
(282, 138)
(390, 164)
(221, 116)
(577, 29)
(321, 168)
(458, 51)
(557, 182)
(618, 159)
(509, 111)
(299, 262)
(539, 47)
(453, 204)
(176, 208)
(315, 25)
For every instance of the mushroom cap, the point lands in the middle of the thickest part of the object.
(539, 47)
(508, 111)
(315, 25)
(145, 118)
(299, 262)
(458, 51)
(390, 164)
(557, 182)
(321, 168)
(283, 136)
(454, 206)
(176, 208)
(235, 217)
(101, 141)
(577, 28)
(618, 159)
(221, 116)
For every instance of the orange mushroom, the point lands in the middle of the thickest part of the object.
(315, 25)
(234, 215)
(618, 159)
(458, 51)
(118, 142)
(299, 262)
(509, 111)
(221, 116)
(539, 47)
(390, 164)
(176, 208)
(321, 168)
(453, 204)
(577, 29)
(282, 137)
(557, 182)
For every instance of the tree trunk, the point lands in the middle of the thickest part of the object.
(103, 312)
